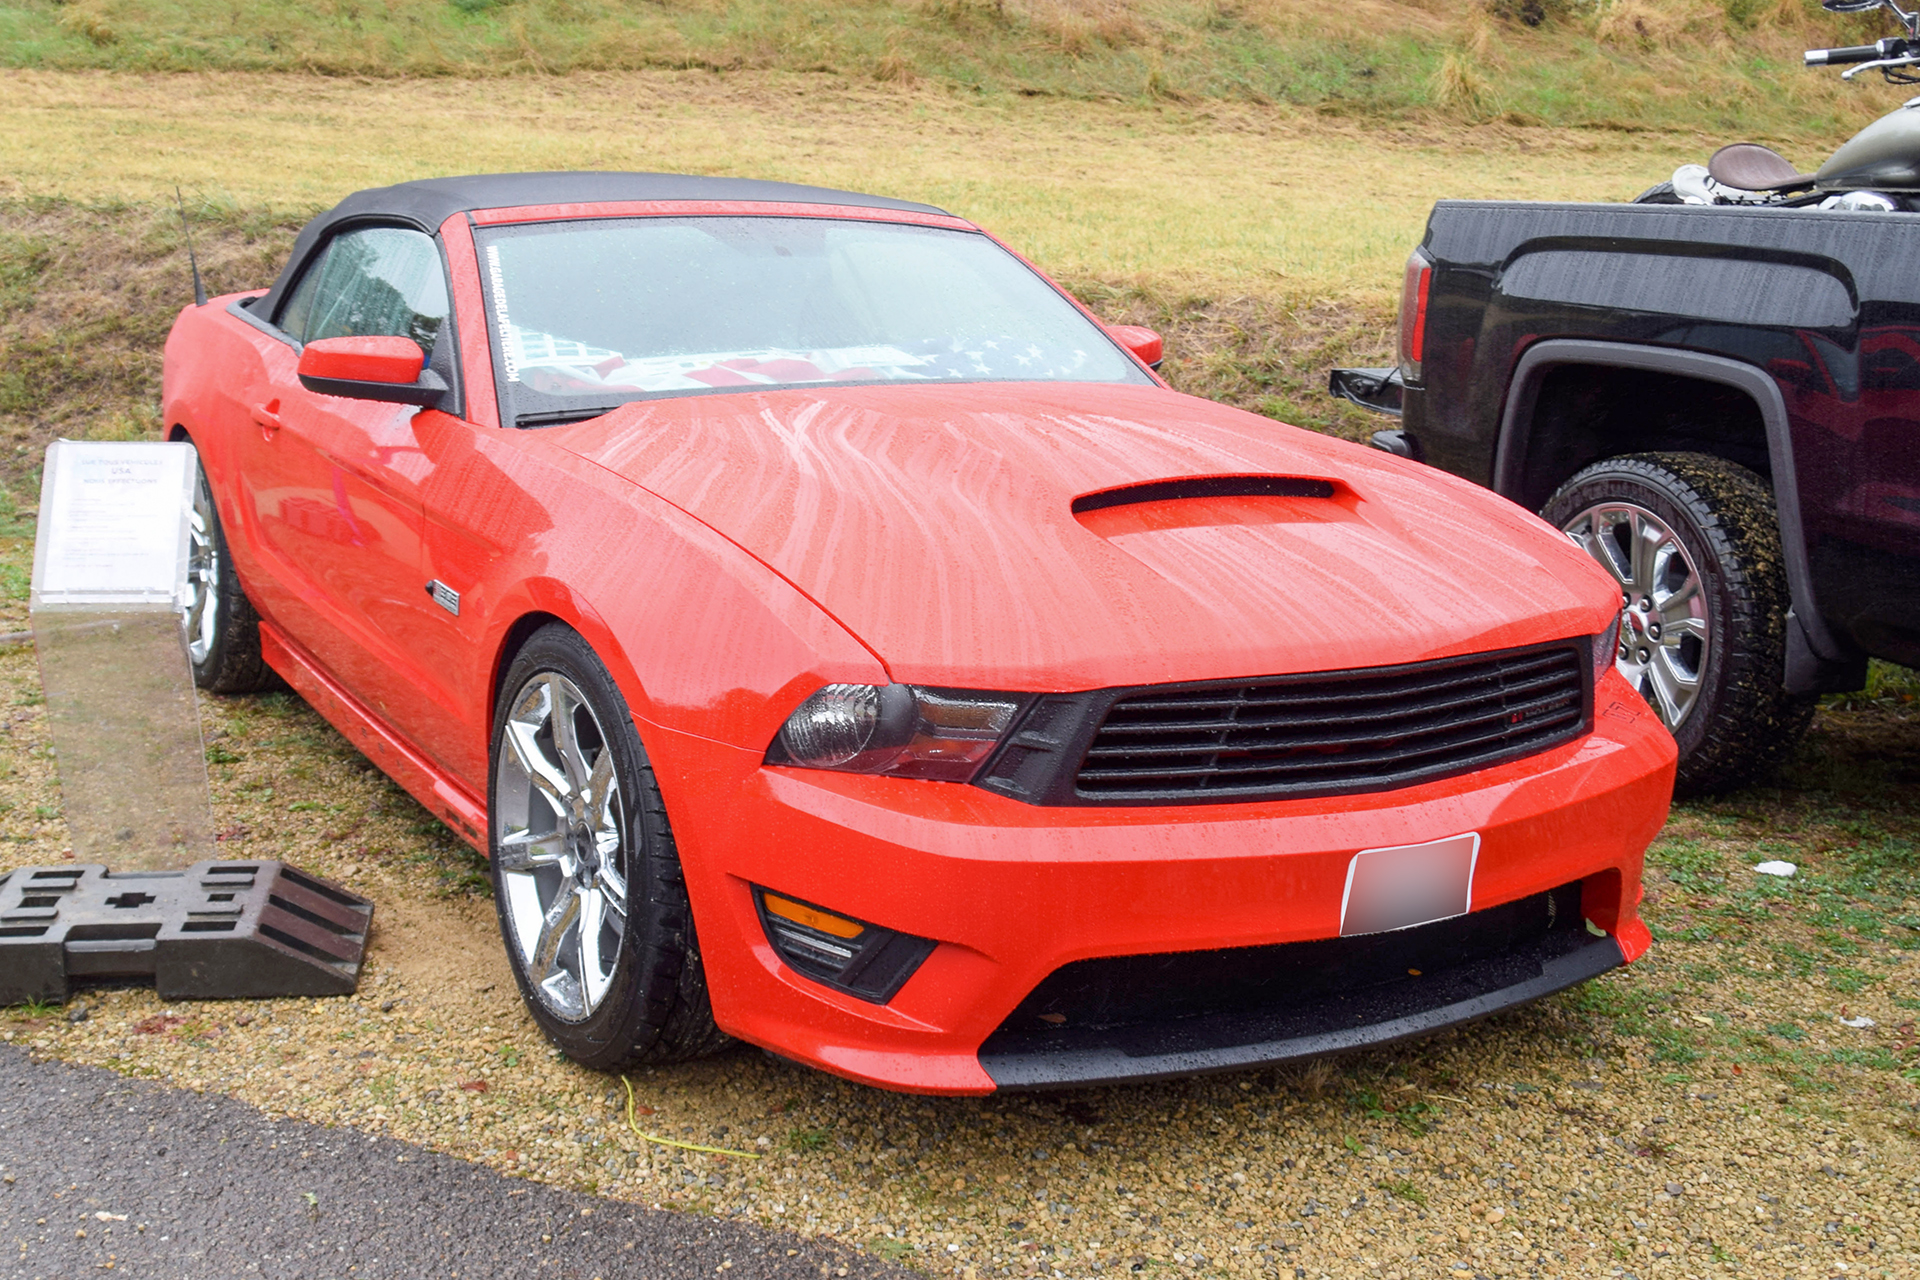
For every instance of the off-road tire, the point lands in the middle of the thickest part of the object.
(1658, 193)
(232, 661)
(1743, 724)
(656, 1008)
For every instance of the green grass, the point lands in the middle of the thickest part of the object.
(1413, 1115)
(1403, 1189)
(807, 1139)
(893, 1250)
(1626, 65)
(1755, 972)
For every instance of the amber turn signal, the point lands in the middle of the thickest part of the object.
(860, 959)
(812, 917)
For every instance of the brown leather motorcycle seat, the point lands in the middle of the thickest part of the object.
(1748, 166)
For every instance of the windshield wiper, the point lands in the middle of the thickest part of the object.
(560, 417)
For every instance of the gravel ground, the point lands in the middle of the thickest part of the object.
(1704, 1112)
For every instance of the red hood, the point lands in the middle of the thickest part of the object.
(936, 524)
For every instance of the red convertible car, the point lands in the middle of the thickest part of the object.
(842, 641)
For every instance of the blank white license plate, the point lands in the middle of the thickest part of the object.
(1409, 884)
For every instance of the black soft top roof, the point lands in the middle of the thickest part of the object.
(431, 201)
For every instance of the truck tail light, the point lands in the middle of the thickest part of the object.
(1413, 316)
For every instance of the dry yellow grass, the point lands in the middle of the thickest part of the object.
(1265, 201)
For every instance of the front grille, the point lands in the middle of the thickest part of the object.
(1344, 731)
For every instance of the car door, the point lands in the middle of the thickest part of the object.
(333, 483)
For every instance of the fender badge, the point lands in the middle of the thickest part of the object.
(444, 596)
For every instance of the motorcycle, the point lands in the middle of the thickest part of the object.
(1876, 171)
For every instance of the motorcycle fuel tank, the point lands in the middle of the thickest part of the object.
(1884, 156)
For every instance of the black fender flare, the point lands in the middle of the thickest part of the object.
(1523, 391)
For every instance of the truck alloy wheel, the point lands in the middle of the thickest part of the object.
(586, 879)
(1694, 543)
(1664, 628)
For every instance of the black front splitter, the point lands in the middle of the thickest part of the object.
(1241, 1039)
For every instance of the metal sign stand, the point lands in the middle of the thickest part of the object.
(109, 585)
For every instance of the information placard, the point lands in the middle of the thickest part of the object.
(109, 590)
(113, 526)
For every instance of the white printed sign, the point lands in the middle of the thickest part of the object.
(113, 524)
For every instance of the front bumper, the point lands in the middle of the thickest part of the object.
(1013, 893)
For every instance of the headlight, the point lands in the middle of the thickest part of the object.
(1606, 647)
(898, 729)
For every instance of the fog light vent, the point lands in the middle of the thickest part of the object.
(860, 959)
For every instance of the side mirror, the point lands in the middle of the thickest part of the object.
(1142, 341)
(370, 368)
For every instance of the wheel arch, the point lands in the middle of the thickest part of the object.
(1522, 465)
(514, 639)
(538, 608)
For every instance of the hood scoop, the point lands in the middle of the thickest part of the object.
(1204, 501)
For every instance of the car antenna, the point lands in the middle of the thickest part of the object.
(199, 289)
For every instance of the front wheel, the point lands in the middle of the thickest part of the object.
(1694, 544)
(593, 907)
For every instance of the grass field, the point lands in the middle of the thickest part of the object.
(1624, 64)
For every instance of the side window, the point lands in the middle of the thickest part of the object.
(293, 314)
(383, 280)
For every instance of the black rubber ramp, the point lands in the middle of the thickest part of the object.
(101, 1174)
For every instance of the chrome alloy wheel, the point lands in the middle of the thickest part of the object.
(202, 618)
(1664, 635)
(559, 843)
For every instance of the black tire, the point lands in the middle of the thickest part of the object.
(1659, 193)
(223, 631)
(652, 1004)
(1741, 724)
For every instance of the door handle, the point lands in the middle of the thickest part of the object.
(268, 416)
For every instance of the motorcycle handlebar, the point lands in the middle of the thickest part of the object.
(1891, 47)
(1840, 57)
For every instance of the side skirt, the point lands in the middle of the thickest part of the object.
(445, 799)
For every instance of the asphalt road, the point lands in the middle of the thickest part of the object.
(100, 1172)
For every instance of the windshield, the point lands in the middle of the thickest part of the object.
(589, 315)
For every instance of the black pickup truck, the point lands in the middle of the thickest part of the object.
(1721, 404)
